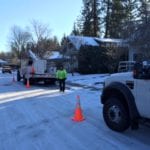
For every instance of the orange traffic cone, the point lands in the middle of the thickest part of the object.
(78, 116)
(28, 84)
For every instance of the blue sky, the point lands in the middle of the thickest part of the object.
(58, 14)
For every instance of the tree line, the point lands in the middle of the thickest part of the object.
(111, 18)
(125, 19)
(36, 36)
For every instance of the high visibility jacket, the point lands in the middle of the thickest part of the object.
(61, 74)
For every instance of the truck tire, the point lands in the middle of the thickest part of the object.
(116, 115)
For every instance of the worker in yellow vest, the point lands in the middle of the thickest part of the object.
(61, 75)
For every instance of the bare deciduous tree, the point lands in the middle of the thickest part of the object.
(40, 36)
(18, 40)
(39, 31)
(35, 37)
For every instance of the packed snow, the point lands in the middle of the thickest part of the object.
(39, 118)
(96, 81)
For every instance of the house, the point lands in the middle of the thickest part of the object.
(140, 43)
(74, 43)
(55, 58)
(135, 54)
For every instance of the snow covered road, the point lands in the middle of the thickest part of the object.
(39, 118)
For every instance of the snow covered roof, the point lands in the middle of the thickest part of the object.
(118, 42)
(55, 55)
(78, 41)
(109, 40)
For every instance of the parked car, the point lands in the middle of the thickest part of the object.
(6, 68)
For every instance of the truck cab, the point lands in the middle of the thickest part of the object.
(125, 98)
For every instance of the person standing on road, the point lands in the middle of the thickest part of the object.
(61, 75)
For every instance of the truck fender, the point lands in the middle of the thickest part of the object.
(122, 89)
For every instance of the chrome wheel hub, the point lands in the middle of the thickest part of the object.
(114, 114)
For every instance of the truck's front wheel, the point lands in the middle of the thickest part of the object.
(116, 115)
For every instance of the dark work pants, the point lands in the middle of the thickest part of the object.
(62, 85)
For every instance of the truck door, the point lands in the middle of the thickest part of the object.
(142, 98)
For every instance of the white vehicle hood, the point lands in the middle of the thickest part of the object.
(119, 77)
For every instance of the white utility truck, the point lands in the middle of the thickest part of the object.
(36, 70)
(126, 98)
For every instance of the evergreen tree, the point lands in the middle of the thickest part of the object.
(106, 7)
(144, 11)
(92, 60)
(79, 25)
(131, 7)
(86, 18)
(89, 22)
(63, 44)
(142, 24)
(120, 17)
(117, 17)
(140, 39)
(130, 22)
(95, 21)
(75, 30)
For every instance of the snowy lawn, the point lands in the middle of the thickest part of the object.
(39, 118)
(95, 80)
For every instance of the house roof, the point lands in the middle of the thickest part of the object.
(118, 42)
(78, 41)
(55, 55)
(109, 40)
